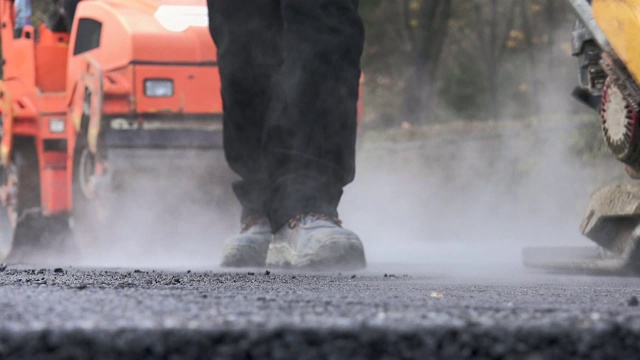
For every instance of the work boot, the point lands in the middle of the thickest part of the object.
(249, 248)
(316, 242)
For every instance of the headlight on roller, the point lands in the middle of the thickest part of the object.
(56, 125)
(158, 88)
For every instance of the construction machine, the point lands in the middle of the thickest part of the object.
(607, 45)
(84, 108)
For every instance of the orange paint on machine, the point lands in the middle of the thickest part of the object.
(134, 74)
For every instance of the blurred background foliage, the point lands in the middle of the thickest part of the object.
(430, 61)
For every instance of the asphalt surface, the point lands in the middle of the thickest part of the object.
(448, 311)
(65, 313)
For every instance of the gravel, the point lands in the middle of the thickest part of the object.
(94, 313)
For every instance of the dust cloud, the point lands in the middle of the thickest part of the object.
(175, 214)
(470, 200)
(465, 199)
(468, 197)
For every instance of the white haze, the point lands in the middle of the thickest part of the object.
(465, 199)
(175, 219)
(471, 196)
(459, 202)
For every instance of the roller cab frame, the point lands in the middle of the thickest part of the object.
(130, 76)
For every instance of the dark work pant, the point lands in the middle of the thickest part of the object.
(290, 73)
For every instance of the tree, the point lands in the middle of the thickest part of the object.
(436, 60)
(527, 13)
(426, 23)
(545, 25)
(493, 27)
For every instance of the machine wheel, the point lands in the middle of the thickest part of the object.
(6, 228)
(35, 237)
(620, 125)
(90, 203)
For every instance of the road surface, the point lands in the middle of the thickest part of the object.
(385, 312)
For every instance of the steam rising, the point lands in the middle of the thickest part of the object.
(177, 216)
(469, 197)
(465, 198)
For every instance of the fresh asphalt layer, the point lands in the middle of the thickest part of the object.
(67, 313)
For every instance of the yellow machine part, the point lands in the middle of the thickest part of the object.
(620, 22)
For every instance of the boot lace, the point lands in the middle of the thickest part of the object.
(296, 220)
(250, 221)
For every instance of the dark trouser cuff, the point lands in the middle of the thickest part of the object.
(301, 194)
(252, 197)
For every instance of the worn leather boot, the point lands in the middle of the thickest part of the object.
(316, 242)
(249, 248)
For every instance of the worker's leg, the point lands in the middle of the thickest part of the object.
(311, 134)
(248, 36)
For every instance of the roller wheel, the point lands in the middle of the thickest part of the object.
(36, 238)
(620, 125)
(91, 203)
